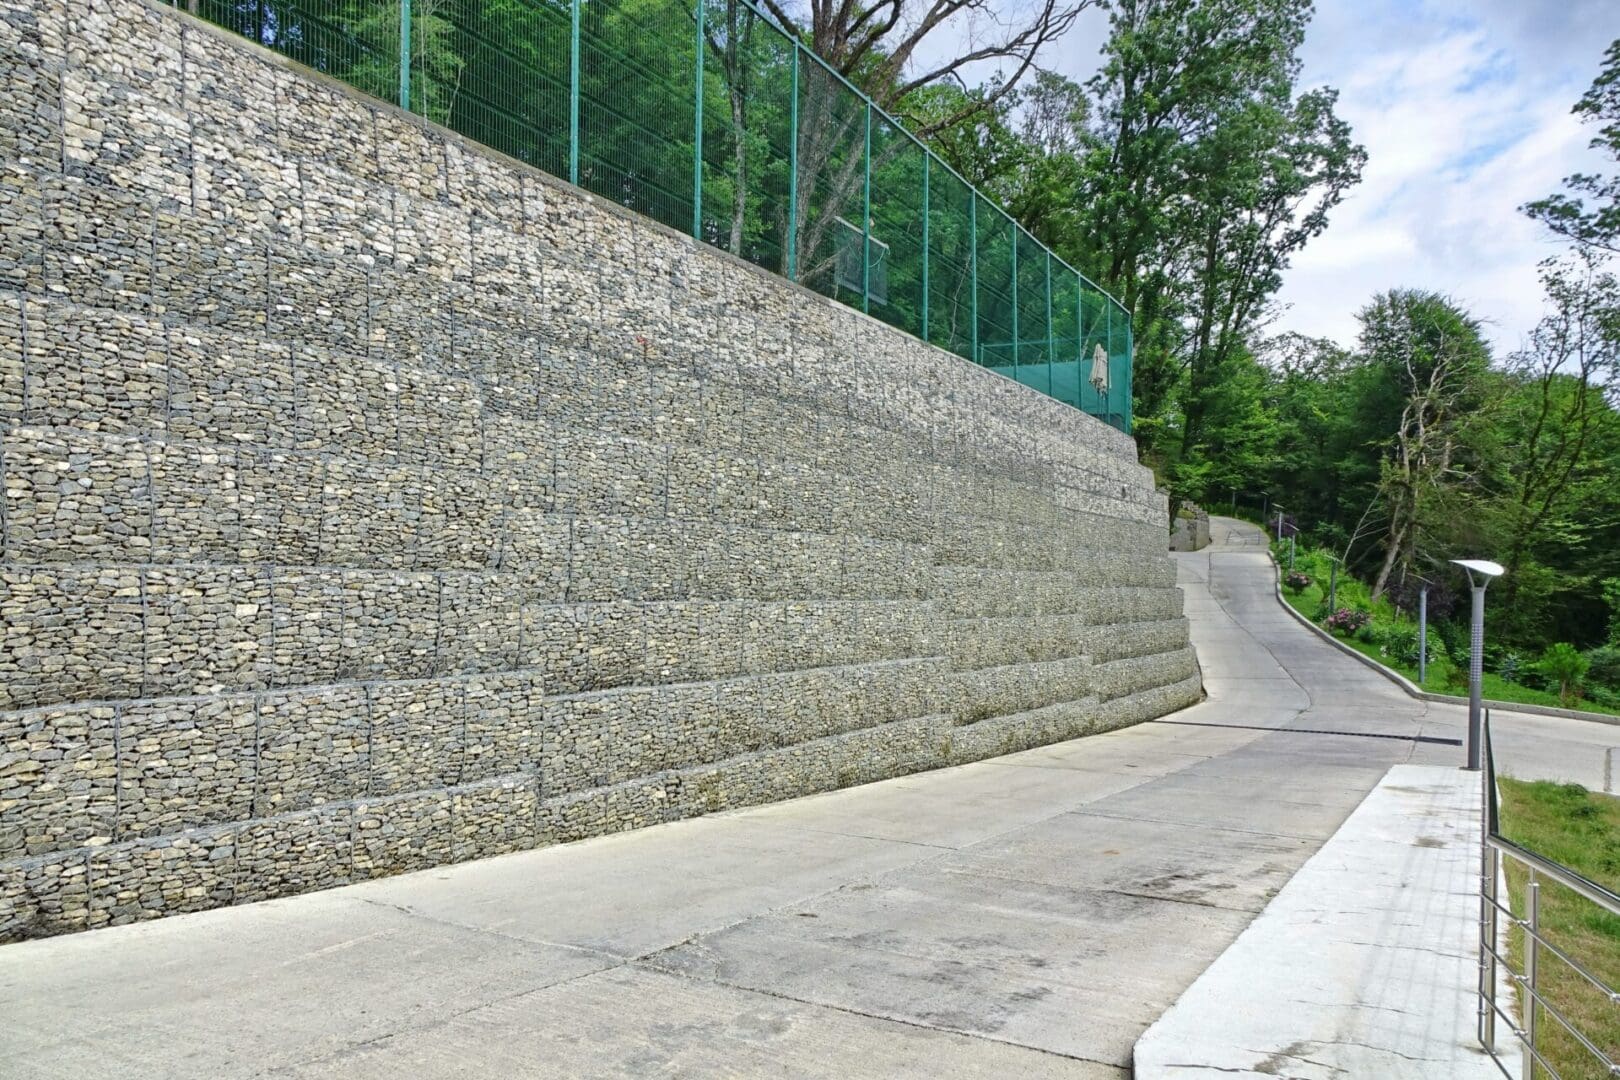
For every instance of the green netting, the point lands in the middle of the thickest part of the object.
(497, 73)
(747, 134)
(638, 86)
(831, 184)
(897, 228)
(997, 287)
(353, 40)
(951, 319)
(706, 116)
(1066, 377)
(1034, 322)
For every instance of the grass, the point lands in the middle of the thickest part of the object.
(1580, 829)
(1443, 676)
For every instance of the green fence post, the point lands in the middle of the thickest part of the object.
(793, 173)
(1079, 341)
(927, 168)
(1128, 404)
(405, 55)
(1108, 336)
(573, 97)
(973, 245)
(697, 133)
(1014, 294)
(866, 221)
(1051, 341)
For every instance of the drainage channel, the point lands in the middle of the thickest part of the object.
(1435, 739)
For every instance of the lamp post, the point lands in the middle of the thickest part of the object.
(1423, 635)
(1480, 574)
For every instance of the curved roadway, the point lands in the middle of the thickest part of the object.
(1028, 916)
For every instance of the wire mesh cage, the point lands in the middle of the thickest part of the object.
(707, 116)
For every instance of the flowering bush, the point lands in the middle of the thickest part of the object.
(1348, 620)
(1296, 580)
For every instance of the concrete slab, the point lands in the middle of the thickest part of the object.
(632, 1022)
(1017, 960)
(1363, 965)
(235, 991)
(634, 893)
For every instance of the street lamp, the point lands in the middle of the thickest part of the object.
(1480, 574)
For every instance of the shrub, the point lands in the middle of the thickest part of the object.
(1563, 664)
(1603, 667)
(1399, 642)
(1347, 620)
(1296, 581)
(1509, 666)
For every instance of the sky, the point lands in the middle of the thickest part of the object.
(1464, 108)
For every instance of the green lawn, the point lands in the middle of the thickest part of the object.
(1580, 829)
(1441, 679)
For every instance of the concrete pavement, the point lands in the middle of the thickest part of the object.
(1027, 915)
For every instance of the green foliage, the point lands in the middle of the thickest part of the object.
(1611, 597)
(1563, 663)
(1603, 667)
(1595, 223)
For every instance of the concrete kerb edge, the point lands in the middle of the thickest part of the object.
(1411, 689)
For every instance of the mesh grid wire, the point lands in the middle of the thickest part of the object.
(831, 185)
(638, 61)
(1065, 365)
(747, 134)
(1034, 326)
(497, 73)
(715, 122)
(950, 261)
(897, 226)
(997, 283)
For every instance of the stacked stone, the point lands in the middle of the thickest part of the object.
(373, 502)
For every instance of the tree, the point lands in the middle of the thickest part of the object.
(1571, 361)
(1596, 225)
(1564, 665)
(1193, 106)
(1269, 174)
(1434, 359)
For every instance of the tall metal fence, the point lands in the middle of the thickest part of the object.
(707, 116)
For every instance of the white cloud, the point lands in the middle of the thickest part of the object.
(1465, 117)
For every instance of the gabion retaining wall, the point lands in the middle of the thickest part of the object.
(373, 502)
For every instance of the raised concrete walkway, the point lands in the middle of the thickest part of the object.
(1028, 916)
(1366, 964)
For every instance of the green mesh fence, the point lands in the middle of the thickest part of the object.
(706, 116)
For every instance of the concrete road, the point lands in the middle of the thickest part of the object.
(1026, 916)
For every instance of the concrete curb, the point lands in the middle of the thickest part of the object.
(1412, 688)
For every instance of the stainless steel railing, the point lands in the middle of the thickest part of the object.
(1535, 1010)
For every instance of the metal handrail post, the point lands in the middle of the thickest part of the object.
(1488, 911)
(1533, 917)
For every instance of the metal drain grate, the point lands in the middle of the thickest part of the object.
(1435, 739)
